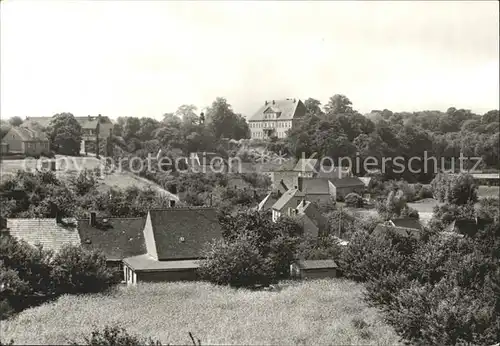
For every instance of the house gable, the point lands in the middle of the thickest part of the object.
(149, 238)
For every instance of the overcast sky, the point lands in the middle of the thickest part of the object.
(127, 58)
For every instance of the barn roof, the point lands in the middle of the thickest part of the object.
(117, 238)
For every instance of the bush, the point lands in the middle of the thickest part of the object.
(115, 336)
(354, 200)
(76, 270)
(237, 263)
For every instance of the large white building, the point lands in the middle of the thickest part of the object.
(275, 118)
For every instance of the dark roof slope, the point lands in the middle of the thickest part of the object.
(407, 222)
(181, 233)
(347, 182)
(117, 238)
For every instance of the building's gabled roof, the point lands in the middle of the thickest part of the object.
(181, 233)
(347, 182)
(407, 222)
(117, 238)
(314, 186)
(267, 203)
(286, 197)
(383, 229)
(47, 232)
(42, 121)
(28, 134)
(316, 264)
(366, 180)
(286, 109)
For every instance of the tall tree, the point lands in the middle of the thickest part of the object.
(313, 106)
(65, 134)
(224, 122)
(15, 121)
(338, 104)
(188, 114)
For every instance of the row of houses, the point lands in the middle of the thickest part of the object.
(166, 245)
(30, 138)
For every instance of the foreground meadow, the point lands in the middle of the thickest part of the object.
(315, 312)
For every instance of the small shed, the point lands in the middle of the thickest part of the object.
(314, 269)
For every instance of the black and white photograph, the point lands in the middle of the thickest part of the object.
(249, 172)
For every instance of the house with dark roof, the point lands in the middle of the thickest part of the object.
(29, 142)
(52, 233)
(287, 204)
(268, 201)
(468, 227)
(275, 118)
(116, 238)
(318, 190)
(174, 240)
(339, 188)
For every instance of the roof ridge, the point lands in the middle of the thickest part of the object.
(114, 218)
(182, 208)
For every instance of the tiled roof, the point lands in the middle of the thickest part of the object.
(117, 238)
(28, 134)
(42, 121)
(181, 233)
(347, 182)
(145, 263)
(382, 229)
(314, 186)
(407, 222)
(316, 264)
(47, 232)
(286, 197)
(287, 109)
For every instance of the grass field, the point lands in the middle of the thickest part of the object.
(316, 312)
(68, 167)
(488, 191)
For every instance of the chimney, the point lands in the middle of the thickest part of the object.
(273, 101)
(265, 103)
(300, 183)
(54, 212)
(89, 116)
(294, 100)
(172, 203)
(93, 218)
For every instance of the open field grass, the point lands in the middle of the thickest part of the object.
(68, 167)
(315, 312)
(488, 191)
